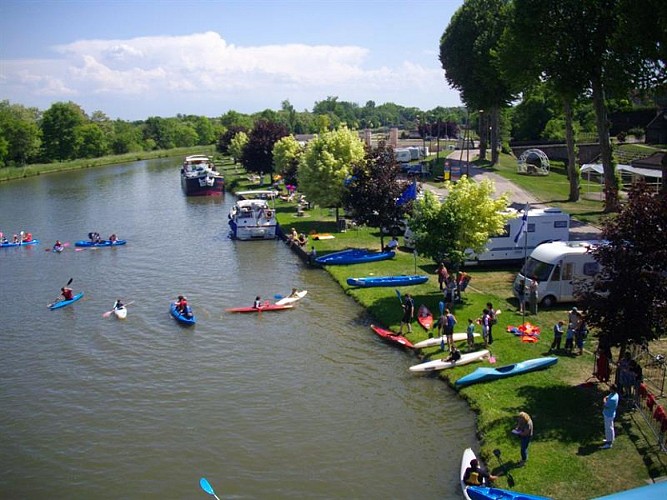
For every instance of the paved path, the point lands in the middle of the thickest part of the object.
(518, 196)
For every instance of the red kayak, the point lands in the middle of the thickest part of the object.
(266, 307)
(391, 336)
(425, 317)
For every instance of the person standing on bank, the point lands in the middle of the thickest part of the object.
(610, 402)
(492, 321)
(524, 429)
(532, 295)
(450, 322)
(558, 336)
(408, 313)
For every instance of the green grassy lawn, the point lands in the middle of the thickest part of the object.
(565, 461)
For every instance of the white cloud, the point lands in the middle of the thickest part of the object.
(204, 66)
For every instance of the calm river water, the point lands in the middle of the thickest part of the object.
(306, 403)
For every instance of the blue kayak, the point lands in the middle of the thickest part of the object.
(180, 318)
(486, 374)
(354, 256)
(103, 243)
(486, 493)
(399, 280)
(21, 244)
(65, 303)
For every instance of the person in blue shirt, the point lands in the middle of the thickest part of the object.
(610, 402)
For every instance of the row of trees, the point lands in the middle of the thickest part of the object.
(493, 51)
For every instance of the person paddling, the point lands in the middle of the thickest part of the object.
(67, 293)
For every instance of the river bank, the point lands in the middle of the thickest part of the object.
(565, 401)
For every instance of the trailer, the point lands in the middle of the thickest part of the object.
(558, 267)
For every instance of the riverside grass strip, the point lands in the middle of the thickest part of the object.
(564, 457)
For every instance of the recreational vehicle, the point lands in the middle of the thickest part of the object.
(402, 155)
(557, 267)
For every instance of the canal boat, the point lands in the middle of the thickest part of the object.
(397, 280)
(443, 364)
(391, 336)
(487, 374)
(64, 303)
(354, 256)
(199, 177)
(252, 218)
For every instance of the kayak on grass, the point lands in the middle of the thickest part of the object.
(65, 303)
(425, 317)
(442, 364)
(435, 341)
(397, 280)
(354, 256)
(487, 374)
(391, 336)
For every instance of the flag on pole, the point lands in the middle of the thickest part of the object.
(409, 194)
(524, 224)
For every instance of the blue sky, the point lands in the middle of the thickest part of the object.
(135, 59)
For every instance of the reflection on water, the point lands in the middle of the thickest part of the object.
(302, 403)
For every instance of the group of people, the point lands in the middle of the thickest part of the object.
(577, 331)
(95, 237)
(22, 237)
(296, 238)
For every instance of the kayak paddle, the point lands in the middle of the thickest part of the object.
(206, 486)
(398, 294)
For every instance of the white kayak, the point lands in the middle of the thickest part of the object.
(121, 313)
(442, 364)
(458, 337)
(291, 299)
(468, 455)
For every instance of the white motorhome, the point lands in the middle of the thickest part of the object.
(557, 266)
(402, 155)
(542, 225)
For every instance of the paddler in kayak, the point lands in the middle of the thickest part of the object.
(258, 303)
(183, 308)
(67, 293)
(58, 246)
(119, 304)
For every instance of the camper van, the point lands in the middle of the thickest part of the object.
(513, 244)
(557, 266)
(402, 155)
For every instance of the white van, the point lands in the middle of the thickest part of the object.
(557, 266)
(402, 155)
(543, 225)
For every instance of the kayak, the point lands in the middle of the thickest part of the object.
(399, 280)
(21, 244)
(322, 236)
(103, 243)
(121, 313)
(468, 455)
(486, 493)
(425, 317)
(391, 336)
(354, 256)
(639, 493)
(291, 300)
(435, 341)
(442, 364)
(65, 303)
(487, 374)
(267, 307)
(180, 318)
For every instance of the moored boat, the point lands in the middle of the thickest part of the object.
(354, 256)
(251, 217)
(442, 364)
(199, 177)
(487, 374)
(397, 280)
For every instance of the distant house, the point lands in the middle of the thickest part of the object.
(656, 130)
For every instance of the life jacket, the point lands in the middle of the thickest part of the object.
(475, 478)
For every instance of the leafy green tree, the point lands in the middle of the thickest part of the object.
(205, 130)
(225, 139)
(372, 190)
(233, 119)
(184, 134)
(627, 302)
(287, 153)
(19, 134)
(91, 141)
(161, 131)
(325, 165)
(469, 56)
(239, 142)
(466, 219)
(58, 125)
(258, 152)
(126, 138)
